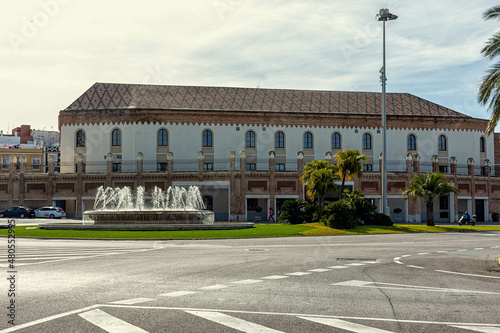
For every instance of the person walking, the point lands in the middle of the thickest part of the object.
(271, 214)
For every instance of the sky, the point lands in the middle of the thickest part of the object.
(54, 50)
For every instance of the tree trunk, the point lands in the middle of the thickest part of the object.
(342, 188)
(430, 213)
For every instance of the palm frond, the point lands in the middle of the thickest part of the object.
(492, 13)
(492, 48)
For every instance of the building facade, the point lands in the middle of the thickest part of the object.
(246, 148)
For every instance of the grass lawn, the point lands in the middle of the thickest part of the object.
(259, 231)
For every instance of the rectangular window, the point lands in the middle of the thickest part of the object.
(36, 162)
(251, 167)
(162, 167)
(443, 202)
(443, 169)
(367, 167)
(117, 167)
(5, 163)
(280, 166)
(208, 167)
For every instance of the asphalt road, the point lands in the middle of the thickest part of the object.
(374, 283)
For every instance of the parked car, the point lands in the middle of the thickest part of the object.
(18, 211)
(50, 212)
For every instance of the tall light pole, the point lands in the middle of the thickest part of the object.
(384, 15)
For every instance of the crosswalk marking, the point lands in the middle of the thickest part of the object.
(345, 325)
(109, 323)
(233, 322)
(483, 329)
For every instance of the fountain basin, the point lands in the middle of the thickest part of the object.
(149, 217)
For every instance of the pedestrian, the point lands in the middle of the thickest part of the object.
(271, 214)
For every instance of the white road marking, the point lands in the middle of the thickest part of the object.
(479, 248)
(215, 287)
(405, 255)
(423, 253)
(345, 325)
(179, 293)
(298, 273)
(233, 322)
(338, 267)
(274, 277)
(462, 250)
(249, 281)
(483, 329)
(484, 276)
(413, 266)
(382, 285)
(496, 247)
(133, 301)
(355, 264)
(109, 323)
(319, 270)
(398, 262)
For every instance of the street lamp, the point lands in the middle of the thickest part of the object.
(384, 15)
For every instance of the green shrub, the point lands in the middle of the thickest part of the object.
(312, 212)
(293, 211)
(381, 219)
(340, 215)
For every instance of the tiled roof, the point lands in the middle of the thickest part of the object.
(114, 96)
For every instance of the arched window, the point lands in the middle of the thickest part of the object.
(162, 137)
(80, 138)
(116, 137)
(250, 139)
(412, 142)
(279, 140)
(367, 141)
(336, 141)
(442, 143)
(308, 140)
(207, 138)
(482, 148)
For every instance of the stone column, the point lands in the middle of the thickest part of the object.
(51, 161)
(272, 162)
(435, 163)
(22, 162)
(109, 163)
(140, 163)
(453, 166)
(380, 161)
(243, 159)
(12, 164)
(328, 157)
(201, 160)
(232, 160)
(409, 163)
(170, 162)
(416, 163)
(470, 166)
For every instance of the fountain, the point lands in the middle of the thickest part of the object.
(175, 206)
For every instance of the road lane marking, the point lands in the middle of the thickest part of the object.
(233, 322)
(338, 267)
(298, 273)
(133, 301)
(413, 266)
(483, 329)
(275, 277)
(345, 325)
(109, 323)
(382, 285)
(249, 281)
(179, 293)
(423, 253)
(215, 287)
(355, 264)
(320, 270)
(476, 275)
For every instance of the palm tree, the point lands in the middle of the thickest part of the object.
(349, 165)
(428, 187)
(319, 178)
(489, 88)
